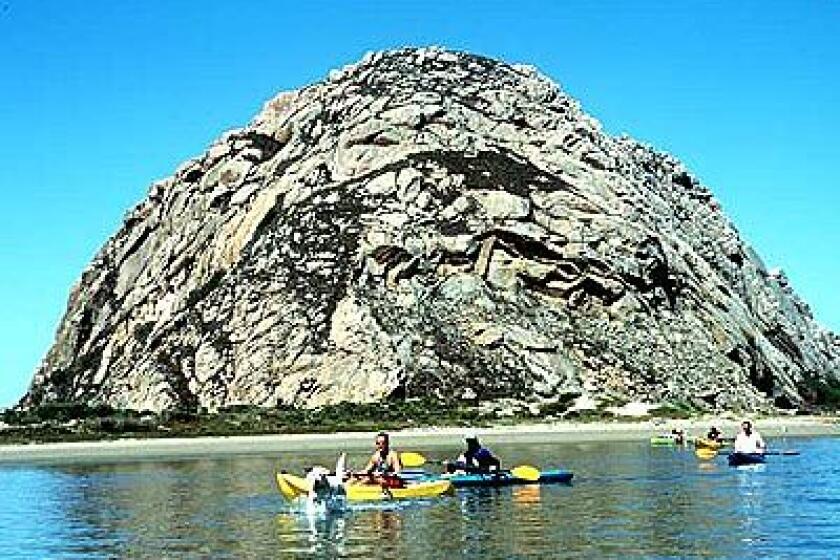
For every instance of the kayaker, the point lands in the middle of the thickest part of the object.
(714, 435)
(474, 459)
(384, 465)
(748, 440)
(678, 435)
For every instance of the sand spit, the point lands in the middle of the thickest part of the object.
(565, 432)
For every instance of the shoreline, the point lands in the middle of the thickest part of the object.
(544, 433)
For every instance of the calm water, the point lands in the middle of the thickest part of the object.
(628, 500)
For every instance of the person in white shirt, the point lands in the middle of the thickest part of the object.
(748, 440)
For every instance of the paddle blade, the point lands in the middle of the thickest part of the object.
(526, 472)
(704, 453)
(412, 459)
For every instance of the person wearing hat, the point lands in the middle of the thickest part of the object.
(475, 459)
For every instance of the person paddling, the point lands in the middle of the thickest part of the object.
(748, 440)
(384, 465)
(475, 459)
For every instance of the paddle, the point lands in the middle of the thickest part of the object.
(712, 453)
(526, 472)
(786, 452)
(412, 459)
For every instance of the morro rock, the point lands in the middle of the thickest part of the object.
(431, 223)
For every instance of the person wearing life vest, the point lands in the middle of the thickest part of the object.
(384, 465)
(748, 440)
(475, 459)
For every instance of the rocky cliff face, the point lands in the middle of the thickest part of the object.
(431, 223)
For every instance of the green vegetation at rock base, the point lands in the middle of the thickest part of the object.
(67, 422)
(80, 422)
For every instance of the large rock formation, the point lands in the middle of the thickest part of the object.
(431, 223)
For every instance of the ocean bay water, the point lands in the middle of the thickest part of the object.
(627, 500)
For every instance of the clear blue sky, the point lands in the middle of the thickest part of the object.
(100, 98)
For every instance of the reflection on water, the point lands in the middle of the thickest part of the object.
(628, 501)
(525, 496)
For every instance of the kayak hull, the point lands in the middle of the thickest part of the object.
(663, 441)
(705, 443)
(705, 453)
(414, 490)
(493, 480)
(294, 487)
(737, 459)
(474, 480)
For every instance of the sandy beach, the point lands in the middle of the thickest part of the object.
(560, 432)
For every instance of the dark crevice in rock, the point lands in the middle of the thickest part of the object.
(494, 170)
(523, 246)
(170, 363)
(267, 145)
(142, 331)
(454, 227)
(760, 376)
(655, 273)
(784, 402)
(85, 327)
(782, 340)
(193, 175)
(389, 254)
(684, 180)
(205, 289)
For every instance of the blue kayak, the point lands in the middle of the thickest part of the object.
(737, 459)
(502, 478)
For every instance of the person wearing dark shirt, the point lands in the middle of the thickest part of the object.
(475, 459)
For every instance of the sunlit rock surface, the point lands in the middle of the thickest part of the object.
(431, 223)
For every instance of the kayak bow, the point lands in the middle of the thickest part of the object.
(294, 487)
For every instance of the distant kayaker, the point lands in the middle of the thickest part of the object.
(714, 435)
(384, 465)
(748, 440)
(678, 435)
(475, 458)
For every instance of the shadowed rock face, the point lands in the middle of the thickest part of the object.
(431, 223)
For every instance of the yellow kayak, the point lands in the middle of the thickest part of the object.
(293, 487)
(705, 453)
(705, 443)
